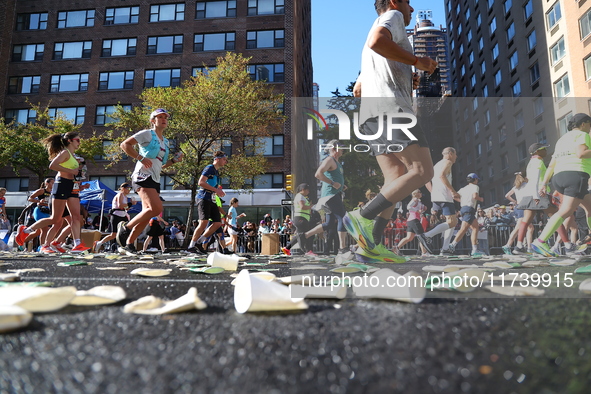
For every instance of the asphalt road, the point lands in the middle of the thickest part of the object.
(452, 342)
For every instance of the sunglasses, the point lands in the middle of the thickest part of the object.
(76, 139)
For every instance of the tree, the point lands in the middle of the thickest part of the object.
(219, 104)
(21, 145)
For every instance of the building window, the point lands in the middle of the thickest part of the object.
(18, 85)
(558, 50)
(528, 9)
(500, 106)
(492, 26)
(516, 89)
(267, 72)
(553, 15)
(585, 24)
(491, 172)
(116, 80)
(502, 133)
(473, 80)
(266, 7)
(73, 114)
(504, 162)
(507, 5)
(31, 21)
(480, 43)
(474, 103)
(72, 50)
(521, 152)
(495, 51)
(513, 61)
(485, 91)
(462, 71)
(165, 44)
(467, 136)
(469, 36)
(214, 42)
(478, 150)
(83, 18)
(268, 181)
(534, 73)
(167, 12)
(167, 183)
(498, 78)
(541, 136)
(119, 47)
(69, 83)
(163, 78)
(204, 70)
(518, 121)
(215, 9)
(538, 106)
(27, 53)
(122, 15)
(22, 116)
(476, 127)
(483, 68)
(487, 117)
(266, 146)
(531, 40)
(489, 143)
(562, 87)
(104, 112)
(511, 31)
(106, 144)
(15, 184)
(265, 39)
(563, 123)
(587, 66)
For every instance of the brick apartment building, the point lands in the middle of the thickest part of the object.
(84, 57)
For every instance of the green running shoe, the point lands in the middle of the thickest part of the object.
(379, 254)
(543, 249)
(360, 228)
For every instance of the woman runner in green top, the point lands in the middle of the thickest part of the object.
(571, 166)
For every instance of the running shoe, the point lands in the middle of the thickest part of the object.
(194, 250)
(478, 253)
(379, 255)
(57, 247)
(286, 251)
(446, 252)
(507, 250)
(47, 250)
(21, 235)
(576, 249)
(122, 234)
(425, 241)
(521, 250)
(543, 249)
(80, 249)
(96, 247)
(360, 229)
(310, 254)
(129, 250)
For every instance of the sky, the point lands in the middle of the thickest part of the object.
(339, 30)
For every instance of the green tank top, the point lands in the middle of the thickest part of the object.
(71, 163)
(336, 176)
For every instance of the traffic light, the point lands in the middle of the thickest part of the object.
(288, 183)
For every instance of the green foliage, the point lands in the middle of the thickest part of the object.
(21, 145)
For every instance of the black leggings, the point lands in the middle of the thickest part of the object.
(302, 225)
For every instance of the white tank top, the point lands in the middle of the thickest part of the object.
(439, 192)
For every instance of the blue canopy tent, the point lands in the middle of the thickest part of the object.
(97, 199)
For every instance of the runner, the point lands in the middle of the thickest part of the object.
(386, 73)
(569, 169)
(443, 195)
(469, 197)
(413, 224)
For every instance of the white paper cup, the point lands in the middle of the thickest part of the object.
(227, 262)
(253, 294)
(13, 317)
(393, 286)
(37, 299)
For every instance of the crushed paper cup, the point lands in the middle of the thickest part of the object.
(516, 291)
(393, 286)
(347, 269)
(111, 268)
(562, 262)
(151, 305)
(10, 277)
(73, 263)
(253, 294)
(13, 317)
(150, 272)
(329, 292)
(227, 262)
(20, 271)
(585, 286)
(100, 295)
(206, 270)
(267, 276)
(583, 270)
(296, 279)
(533, 264)
(37, 299)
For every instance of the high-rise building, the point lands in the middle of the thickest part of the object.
(85, 57)
(431, 41)
(519, 71)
